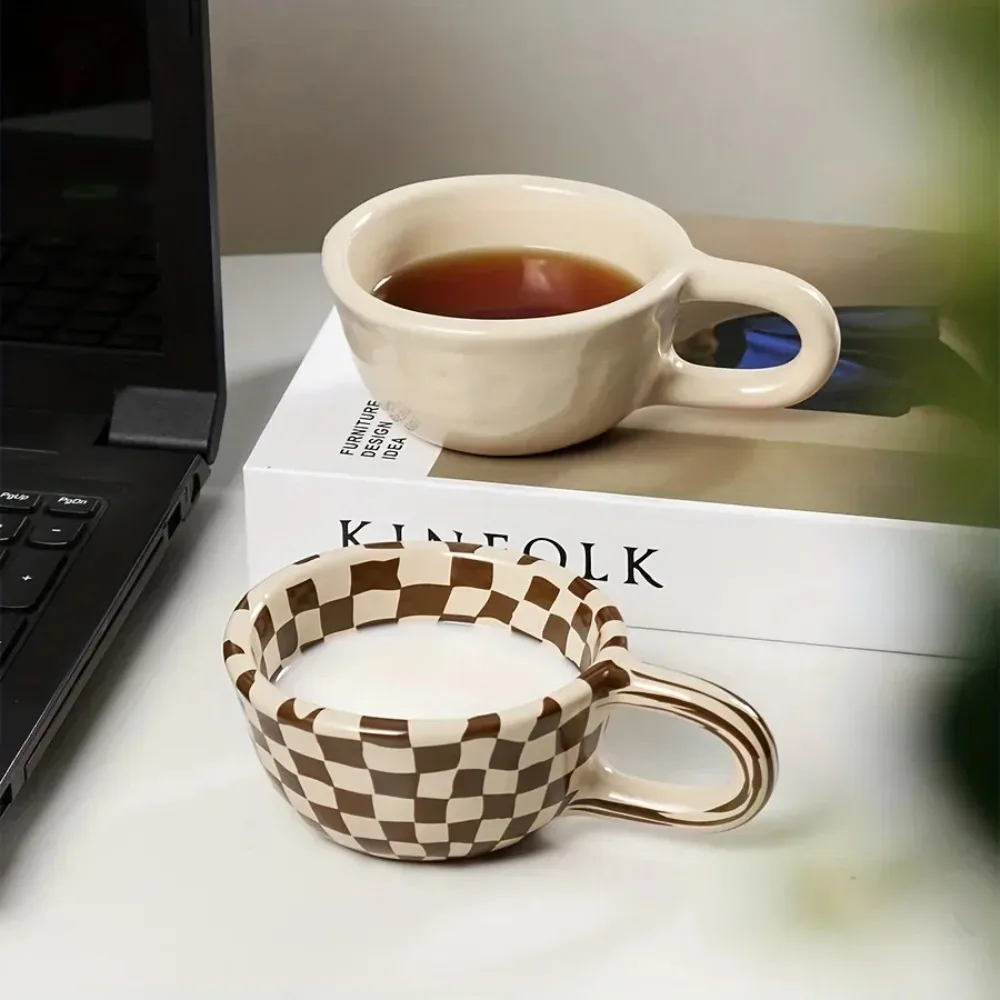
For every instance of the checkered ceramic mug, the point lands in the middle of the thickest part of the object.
(434, 789)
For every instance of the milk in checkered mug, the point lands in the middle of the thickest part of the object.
(519, 386)
(427, 787)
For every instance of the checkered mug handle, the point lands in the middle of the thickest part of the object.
(608, 792)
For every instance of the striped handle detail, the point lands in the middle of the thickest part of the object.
(607, 792)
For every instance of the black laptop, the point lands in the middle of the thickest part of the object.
(112, 383)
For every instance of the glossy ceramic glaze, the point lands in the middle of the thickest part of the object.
(523, 386)
(432, 789)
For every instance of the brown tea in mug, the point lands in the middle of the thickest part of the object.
(521, 283)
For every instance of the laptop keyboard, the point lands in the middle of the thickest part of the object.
(80, 293)
(40, 534)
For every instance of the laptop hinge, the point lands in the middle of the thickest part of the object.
(152, 417)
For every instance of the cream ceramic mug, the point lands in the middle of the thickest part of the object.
(525, 386)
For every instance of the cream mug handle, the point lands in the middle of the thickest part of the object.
(605, 791)
(713, 279)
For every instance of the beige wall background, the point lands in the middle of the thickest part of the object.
(795, 109)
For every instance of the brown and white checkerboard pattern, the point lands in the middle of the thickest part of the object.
(436, 789)
(425, 789)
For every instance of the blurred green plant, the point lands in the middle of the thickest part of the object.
(955, 45)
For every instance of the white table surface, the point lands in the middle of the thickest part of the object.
(150, 858)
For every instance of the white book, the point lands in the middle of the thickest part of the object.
(796, 526)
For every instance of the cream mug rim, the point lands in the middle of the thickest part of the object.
(361, 301)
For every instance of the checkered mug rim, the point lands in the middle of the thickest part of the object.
(595, 649)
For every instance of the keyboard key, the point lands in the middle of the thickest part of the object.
(139, 266)
(54, 241)
(10, 629)
(10, 527)
(108, 305)
(12, 295)
(18, 500)
(93, 323)
(121, 284)
(28, 256)
(44, 320)
(52, 256)
(55, 533)
(73, 506)
(26, 576)
(145, 324)
(109, 246)
(16, 274)
(89, 263)
(46, 298)
(149, 308)
(72, 281)
(79, 338)
(36, 547)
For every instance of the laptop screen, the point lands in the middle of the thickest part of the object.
(79, 261)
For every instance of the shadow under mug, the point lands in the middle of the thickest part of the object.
(527, 386)
(433, 789)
